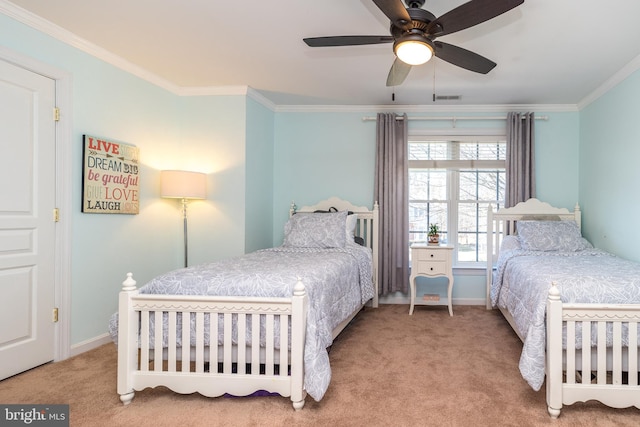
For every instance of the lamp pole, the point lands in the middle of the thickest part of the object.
(183, 185)
(184, 219)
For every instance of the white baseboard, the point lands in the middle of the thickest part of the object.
(90, 344)
(469, 301)
(404, 299)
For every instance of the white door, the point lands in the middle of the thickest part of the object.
(27, 229)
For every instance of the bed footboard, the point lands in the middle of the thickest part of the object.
(238, 365)
(612, 372)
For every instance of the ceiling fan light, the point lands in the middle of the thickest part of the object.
(413, 52)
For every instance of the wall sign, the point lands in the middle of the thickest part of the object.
(110, 180)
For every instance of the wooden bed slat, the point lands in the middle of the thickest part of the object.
(269, 345)
(602, 352)
(617, 353)
(571, 353)
(284, 345)
(186, 339)
(144, 342)
(255, 344)
(227, 360)
(172, 342)
(242, 343)
(586, 354)
(157, 345)
(199, 342)
(633, 353)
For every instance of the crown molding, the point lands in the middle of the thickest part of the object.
(494, 108)
(261, 99)
(626, 71)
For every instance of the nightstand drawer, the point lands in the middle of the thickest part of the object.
(431, 254)
(430, 268)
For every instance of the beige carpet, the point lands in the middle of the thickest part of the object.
(389, 369)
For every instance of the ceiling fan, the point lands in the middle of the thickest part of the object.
(414, 30)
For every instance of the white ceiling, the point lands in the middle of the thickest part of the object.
(547, 51)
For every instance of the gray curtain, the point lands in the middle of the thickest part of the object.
(392, 193)
(520, 165)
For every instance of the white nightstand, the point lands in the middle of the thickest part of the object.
(431, 261)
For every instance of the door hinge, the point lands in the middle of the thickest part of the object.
(55, 315)
(56, 114)
(56, 214)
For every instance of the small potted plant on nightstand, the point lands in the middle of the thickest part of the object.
(434, 236)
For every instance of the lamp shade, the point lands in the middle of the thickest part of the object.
(183, 184)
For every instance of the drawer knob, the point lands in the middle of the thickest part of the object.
(431, 255)
(431, 268)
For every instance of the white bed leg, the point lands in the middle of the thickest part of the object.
(554, 352)
(555, 413)
(298, 332)
(127, 340)
(127, 398)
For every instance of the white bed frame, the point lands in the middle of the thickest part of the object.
(138, 370)
(564, 383)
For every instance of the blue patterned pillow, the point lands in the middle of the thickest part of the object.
(551, 236)
(316, 230)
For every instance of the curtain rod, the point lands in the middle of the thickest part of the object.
(454, 118)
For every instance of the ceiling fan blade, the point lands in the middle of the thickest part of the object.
(463, 58)
(398, 72)
(396, 12)
(346, 40)
(469, 14)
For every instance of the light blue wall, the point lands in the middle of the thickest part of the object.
(319, 155)
(557, 165)
(259, 176)
(609, 172)
(213, 140)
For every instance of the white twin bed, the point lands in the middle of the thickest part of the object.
(551, 284)
(257, 323)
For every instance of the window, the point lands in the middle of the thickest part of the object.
(452, 181)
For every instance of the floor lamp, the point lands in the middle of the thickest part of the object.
(183, 185)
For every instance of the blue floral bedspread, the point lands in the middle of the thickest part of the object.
(337, 282)
(521, 284)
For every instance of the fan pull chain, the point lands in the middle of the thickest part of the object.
(434, 81)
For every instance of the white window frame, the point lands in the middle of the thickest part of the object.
(489, 135)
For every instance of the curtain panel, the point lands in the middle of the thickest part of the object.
(392, 193)
(520, 164)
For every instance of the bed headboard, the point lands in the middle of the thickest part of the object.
(503, 222)
(366, 228)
